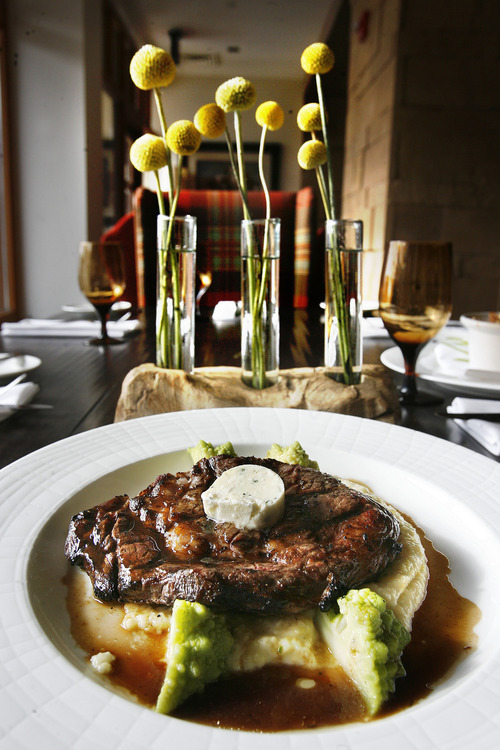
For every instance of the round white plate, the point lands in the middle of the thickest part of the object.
(48, 696)
(446, 366)
(17, 365)
(86, 307)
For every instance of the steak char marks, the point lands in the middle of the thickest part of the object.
(160, 546)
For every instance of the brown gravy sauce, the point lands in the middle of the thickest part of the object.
(271, 700)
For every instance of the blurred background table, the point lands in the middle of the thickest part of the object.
(83, 383)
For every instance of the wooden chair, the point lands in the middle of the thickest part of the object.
(219, 214)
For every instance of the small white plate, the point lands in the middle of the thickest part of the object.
(17, 365)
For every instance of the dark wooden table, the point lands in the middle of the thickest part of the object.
(82, 383)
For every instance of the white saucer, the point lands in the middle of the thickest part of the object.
(17, 365)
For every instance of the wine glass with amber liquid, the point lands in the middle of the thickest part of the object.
(101, 276)
(415, 303)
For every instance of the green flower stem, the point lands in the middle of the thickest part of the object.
(159, 193)
(162, 332)
(329, 167)
(339, 294)
(164, 128)
(241, 162)
(261, 285)
(339, 297)
(261, 172)
(176, 288)
(177, 354)
(169, 260)
(246, 209)
(340, 309)
(322, 189)
(340, 305)
(162, 326)
(237, 172)
(258, 366)
(254, 265)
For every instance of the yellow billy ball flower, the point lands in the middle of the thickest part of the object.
(148, 153)
(312, 154)
(270, 114)
(235, 94)
(317, 58)
(210, 120)
(151, 68)
(183, 138)
(309, 117)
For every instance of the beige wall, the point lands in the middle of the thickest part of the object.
(52, 147)
(422, 154)
(369, 129)
(445, 174)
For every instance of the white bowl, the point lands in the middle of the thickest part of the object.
(484, 340)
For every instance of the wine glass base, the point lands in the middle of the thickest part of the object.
(420, 399)
(106, 341)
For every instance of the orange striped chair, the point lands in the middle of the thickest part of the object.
(219, 214)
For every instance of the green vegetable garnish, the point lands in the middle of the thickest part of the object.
(199, 643)
(367, 640)
(207, 450)
(291, 454)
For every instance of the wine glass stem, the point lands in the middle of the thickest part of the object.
(409, 387)
(103, 314)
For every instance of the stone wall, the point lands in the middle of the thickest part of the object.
(369, 127)
(422, 158)
(445, 171)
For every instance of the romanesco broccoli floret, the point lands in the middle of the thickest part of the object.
(207, 450)
(291, 454)
(367, 640)
(199, 643)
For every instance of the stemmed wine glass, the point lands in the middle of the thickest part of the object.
(415, 303)
(101, 276)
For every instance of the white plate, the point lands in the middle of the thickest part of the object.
(86, 307)
(444, 362)
(17, 365)
(48, 698)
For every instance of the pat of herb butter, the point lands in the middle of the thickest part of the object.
(250, 496)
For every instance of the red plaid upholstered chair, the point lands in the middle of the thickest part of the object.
(219, 214)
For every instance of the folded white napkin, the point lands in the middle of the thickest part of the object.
(17, 395)
(225, 310)
(451, 350)
(486, 433)
(69, 328)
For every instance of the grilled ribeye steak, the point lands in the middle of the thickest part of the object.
(160, 546)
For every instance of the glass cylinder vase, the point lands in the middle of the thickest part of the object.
(260, 329)
(176, 292)
(343, 309)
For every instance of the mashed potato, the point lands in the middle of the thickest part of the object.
(403, 584)
(292, 640)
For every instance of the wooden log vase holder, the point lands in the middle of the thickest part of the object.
(148, 389)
